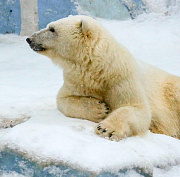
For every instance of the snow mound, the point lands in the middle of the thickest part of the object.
(50, 137)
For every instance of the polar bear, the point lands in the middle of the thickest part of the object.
(105, 84)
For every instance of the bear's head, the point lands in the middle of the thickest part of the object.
(81, 42)
(69, 39)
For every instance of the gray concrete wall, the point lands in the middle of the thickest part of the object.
(29, 17)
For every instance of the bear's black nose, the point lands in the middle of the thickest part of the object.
(28, 40)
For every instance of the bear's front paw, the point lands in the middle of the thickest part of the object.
(113, 131)
(100, 111)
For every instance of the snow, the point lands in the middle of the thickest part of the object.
(29, 84)
(50, 136)
(153, 39)
(13, 174)
(173, 172)
(163, 6)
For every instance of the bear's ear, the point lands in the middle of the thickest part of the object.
(84, 27)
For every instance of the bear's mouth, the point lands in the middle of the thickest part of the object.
(34, 46)
(37, 47)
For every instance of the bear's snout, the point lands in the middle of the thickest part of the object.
(29, 41)
(35, 46)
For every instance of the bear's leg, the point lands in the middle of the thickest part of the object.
(124, 122)
(83, 107)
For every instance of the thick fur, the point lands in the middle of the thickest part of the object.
(101, 77)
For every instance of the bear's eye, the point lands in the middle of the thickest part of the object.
(52, 30)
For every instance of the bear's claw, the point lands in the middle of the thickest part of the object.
(112, 132)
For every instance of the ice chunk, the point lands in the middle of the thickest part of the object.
(103, 8)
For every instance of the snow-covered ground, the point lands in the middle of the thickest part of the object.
(28, 86)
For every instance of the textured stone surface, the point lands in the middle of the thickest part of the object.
(103, 9)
